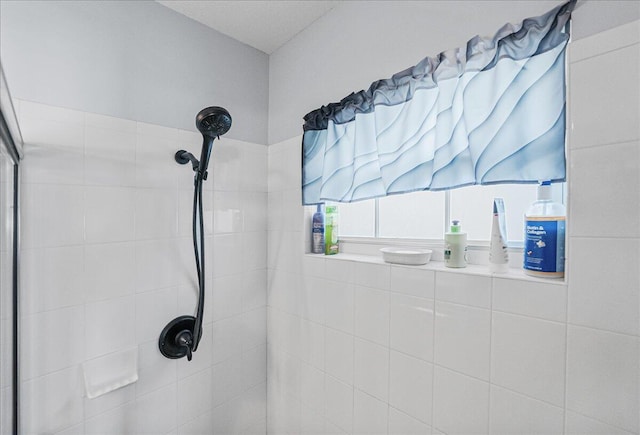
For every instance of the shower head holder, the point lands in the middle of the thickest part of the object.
(183, 157)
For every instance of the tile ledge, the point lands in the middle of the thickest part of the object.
(438, 266)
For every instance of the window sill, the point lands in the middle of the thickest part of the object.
(352, 250)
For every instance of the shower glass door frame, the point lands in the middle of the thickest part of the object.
(11, 149)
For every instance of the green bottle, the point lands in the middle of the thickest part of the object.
(331, 230)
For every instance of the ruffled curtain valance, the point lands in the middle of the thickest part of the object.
(491, 112)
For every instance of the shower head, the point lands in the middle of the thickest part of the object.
(213, 121)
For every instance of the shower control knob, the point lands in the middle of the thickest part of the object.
(176, 339)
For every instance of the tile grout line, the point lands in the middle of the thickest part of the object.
(490, 354)
(602, 53)
(590, 417)
(433, 352)
(566, 363)
(84, 254)
(618, 143)
(388, 401)
(353, 364)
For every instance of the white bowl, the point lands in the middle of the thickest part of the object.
(410, 256)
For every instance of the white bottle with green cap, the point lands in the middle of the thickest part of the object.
(455, 249)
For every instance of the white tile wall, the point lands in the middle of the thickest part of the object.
(513, 413)
(402, 424)
(195, 396)
(601, 170)
(372, 275)
(371, 369)
(60, 270)
(339, 355)
(411, 324)
(6, 409)
(119, 420)
(413, 282)
(107, 261)
(55, 341)
(100, 261)
(528, 356)
(462, 336)
(153, 372)
(369, 415)
(156, 411)
(339, 403)
(534, 299)
(458, 395)
(52, 215)
(99, 405)
(372, 314)
(105, 222)
(578, 424)
(108, 152)
(467, 352)
(411, 385)
(53, 402)
(463, 289)
(608, 301)
(339, 301)
(601, 105)
(603, 376)
(110, 326)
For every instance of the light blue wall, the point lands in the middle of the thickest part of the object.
(132, 59)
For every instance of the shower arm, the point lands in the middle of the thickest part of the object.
(183, 157)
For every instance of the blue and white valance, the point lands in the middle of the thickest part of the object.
(491, 112)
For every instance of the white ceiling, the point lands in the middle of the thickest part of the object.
(265, 25)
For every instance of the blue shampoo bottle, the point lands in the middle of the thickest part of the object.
(317, 231)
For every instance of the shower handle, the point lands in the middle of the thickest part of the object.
(185, 339)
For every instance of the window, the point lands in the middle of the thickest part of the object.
(427, 215)
(417, 215)
(492, 112)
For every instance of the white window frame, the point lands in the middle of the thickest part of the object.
(478, 250)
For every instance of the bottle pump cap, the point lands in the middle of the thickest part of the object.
(455, 228)
(544, 190)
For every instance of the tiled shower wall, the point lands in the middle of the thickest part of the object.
(107, 261)
(368, 348)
